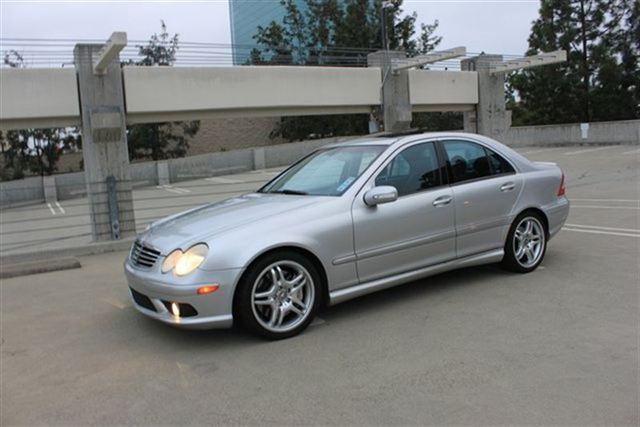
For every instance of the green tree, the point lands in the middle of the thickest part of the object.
(331, 32)
(599, 81)
(165, 139)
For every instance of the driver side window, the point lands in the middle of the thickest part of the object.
(414, 169)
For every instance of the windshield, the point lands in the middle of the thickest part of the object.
(327, 172)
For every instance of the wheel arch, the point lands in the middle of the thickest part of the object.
(313, 258)
(540, 213)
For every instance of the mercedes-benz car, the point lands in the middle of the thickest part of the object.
(346, 220)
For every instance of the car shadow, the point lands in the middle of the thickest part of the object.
(398, 295)
(422, 288)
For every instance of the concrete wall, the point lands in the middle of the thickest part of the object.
(21, 191)
(39, 97)
(72, 185)
(618, 132)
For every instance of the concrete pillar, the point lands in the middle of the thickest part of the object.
(259, 160)
(50, 190)
(396, 105)
(490, 117)
(104, 145)
(162, 168)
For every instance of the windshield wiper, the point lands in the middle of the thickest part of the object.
(286, 191)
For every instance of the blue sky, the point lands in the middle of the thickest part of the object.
(490, 26)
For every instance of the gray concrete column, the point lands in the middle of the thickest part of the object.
(104, 145)
(259, 160)
(162, 169)
(490, 117)
(50, 189)
(396, 105)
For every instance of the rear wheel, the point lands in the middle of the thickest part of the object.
(279, 295)
(526, 243)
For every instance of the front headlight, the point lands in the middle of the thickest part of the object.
(183, 263)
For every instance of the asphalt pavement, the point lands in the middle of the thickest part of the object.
(476, 346)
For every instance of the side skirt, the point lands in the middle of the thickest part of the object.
(341, 295)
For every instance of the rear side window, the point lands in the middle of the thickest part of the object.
(498, 164)
(468, 160)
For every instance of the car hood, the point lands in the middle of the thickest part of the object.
(199, 224)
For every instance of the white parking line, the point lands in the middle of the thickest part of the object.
(610, 233)
(219, 180)
(606, 200)
(538, 151)
(637, 150)
(588, 150)
(53, 212)
(175, 190)
(596, 227)
(62, 211)
(604, 207)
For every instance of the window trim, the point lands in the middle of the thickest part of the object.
(444, 181)
(450, 177)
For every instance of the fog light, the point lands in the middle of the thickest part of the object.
(203, 290)
(175, 309)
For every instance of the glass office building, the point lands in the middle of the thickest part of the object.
(246, 16)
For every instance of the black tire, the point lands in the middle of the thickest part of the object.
(510, 261)
(244, 312)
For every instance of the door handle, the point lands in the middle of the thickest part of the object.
(442, 200)
(508, 186)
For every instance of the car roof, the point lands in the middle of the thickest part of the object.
(388, 139)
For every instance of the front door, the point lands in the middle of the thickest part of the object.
(414, 231)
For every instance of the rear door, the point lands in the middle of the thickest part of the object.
(485, 190)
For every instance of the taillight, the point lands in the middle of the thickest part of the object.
(561, 190)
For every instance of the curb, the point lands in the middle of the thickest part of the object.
(73, 251)
(37, 267)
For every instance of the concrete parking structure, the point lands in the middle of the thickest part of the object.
(478, 346)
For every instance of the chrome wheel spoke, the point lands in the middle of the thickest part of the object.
(297, 288)
(528, 242)
(286, 301)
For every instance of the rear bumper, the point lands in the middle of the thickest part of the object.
(214, 310)
(557, 214)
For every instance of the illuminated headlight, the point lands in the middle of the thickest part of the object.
(183, 263)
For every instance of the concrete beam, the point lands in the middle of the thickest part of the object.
(430, 58)
(529, 62)
(443, 90)
(110, 50)
(173, 93)
(38, 98)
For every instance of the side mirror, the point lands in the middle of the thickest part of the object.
(380, 195)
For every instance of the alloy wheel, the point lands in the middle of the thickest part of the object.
(282, 296)
(528, 242)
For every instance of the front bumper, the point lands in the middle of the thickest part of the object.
(214, 310)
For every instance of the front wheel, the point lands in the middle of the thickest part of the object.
(526, 243)
(279, 295)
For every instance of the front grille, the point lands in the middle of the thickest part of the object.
(142, 300)
(143, 255)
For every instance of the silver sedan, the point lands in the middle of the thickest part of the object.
(344, 221)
